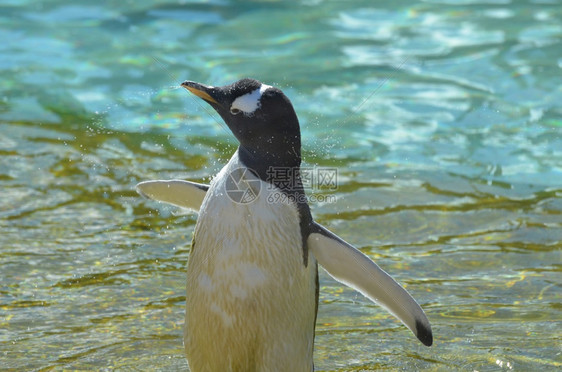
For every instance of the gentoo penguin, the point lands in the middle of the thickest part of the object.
(252, 276)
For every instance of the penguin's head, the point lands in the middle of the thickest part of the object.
(260, 116)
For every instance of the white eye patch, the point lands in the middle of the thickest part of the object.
(249, 102)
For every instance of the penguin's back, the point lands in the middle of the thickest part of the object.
(251, 301)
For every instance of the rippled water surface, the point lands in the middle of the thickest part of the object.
(443, 119)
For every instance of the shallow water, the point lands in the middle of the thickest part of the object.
(442, 119)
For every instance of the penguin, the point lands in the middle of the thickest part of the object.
(252, 275)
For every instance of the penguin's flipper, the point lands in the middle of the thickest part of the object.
(185, 194)
(350, 266)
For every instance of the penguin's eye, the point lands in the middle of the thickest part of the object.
(235, 111)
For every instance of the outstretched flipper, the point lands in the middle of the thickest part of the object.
(184, 194)
(350, 266)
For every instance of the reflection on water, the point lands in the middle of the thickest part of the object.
(449, 173)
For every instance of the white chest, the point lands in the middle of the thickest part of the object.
(247, 285)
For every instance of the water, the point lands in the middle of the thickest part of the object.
(442, 118)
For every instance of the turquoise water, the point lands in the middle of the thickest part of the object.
(443, 119)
